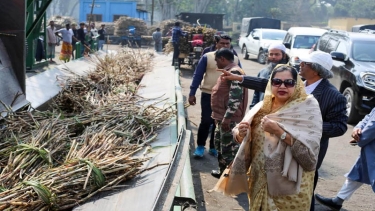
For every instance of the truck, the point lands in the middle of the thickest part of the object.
(257, 33)
(211, 20)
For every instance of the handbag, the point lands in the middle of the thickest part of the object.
(223, 181)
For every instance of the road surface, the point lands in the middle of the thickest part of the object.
(339, 159)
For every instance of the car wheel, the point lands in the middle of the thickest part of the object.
(262, 57)
(245, 53)
(351, 111)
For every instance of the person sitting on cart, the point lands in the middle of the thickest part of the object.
(213, 47)
(176, 34)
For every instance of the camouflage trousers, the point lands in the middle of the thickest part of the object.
(225, 145)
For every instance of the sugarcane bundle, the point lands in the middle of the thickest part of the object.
(123, 23)
(185, 45)
(57, 159)
(96, 166)
(119, 73)
(166, 25)
(152, 29)
(61, 21)
(109, 27)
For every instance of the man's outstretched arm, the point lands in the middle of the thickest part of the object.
(250, 82)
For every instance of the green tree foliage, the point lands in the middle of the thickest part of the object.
(363, 9)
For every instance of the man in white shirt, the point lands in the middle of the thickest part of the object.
(66, 48)
(51, 41)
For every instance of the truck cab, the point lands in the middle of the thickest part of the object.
(254, 38)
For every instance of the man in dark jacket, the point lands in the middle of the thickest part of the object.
(74, 38)
(81, 36)
(315, 69)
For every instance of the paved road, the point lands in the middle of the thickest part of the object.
(340, 157)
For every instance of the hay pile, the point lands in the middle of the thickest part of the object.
(109, 27)
(167, 24)
(185, 46)
(56, 159)
(123, 23)
(61, 21)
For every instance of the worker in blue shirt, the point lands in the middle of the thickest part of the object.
(176, 34)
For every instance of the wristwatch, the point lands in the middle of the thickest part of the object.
(283, 136)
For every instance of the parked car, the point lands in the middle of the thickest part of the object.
(259, 40)
(353, 69)
(299, 41)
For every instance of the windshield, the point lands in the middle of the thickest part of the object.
(305, 41)
(364, 51)
(273, 35)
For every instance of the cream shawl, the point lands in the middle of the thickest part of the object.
(301, 118)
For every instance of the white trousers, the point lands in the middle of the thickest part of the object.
(348, 189)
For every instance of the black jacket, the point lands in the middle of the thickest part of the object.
(81, 35)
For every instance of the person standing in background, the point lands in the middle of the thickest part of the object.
(102, 32)
(74, 38)
(157, 37)
(66, 48)
(81, 36)
(51, 41)
(176, 34)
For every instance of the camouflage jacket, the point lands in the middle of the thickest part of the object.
(228, 98)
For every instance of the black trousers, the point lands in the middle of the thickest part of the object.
(322, 154)
(206, 122)
(176, 52)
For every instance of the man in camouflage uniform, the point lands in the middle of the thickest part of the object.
(228, 103)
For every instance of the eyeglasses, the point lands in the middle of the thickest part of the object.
(288, 83)
(305, 63)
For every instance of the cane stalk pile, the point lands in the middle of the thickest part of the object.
(86, 142)
(166, 25)
(123, 23)
(185, 46)
(61, 21)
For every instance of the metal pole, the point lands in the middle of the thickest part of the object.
(92, 9)
(152, 12)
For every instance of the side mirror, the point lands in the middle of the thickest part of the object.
(256, 38)
(287, 45)
(338, 56)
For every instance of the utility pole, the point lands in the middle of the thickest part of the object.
(152, 12)
(92, 10)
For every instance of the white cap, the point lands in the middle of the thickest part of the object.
(278, 46)
(319, 57)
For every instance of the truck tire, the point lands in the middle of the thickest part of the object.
(262, 57)
(245, 53)
(351, 111)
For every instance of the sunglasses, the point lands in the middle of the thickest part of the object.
(288, 83)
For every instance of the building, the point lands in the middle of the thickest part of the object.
(347, 23)
(110, 10)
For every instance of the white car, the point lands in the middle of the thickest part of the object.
(299, 41)
(256, 44)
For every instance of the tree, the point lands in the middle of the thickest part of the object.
(168, 8)
(363, 9)
(201, 5)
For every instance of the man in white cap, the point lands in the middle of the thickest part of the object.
(315, 69)
(276, 55)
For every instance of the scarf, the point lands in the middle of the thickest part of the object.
(300, 116)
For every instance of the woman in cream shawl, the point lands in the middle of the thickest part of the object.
(279, 147)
